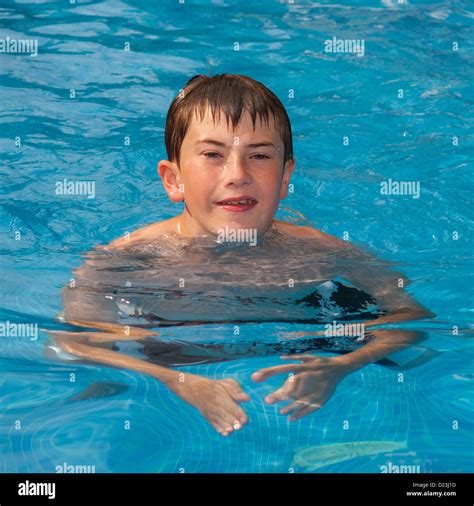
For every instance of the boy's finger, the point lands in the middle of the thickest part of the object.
(235, 419)
(230, 382)
(236, 392)
(237, 424)
(304, 411)
(240, 417)
(263, 374)
(243, 417)
(304, 358)
(235, 415)
(219, 426)
(236, 389)
(225, 422)
(282, 394)
(241, 397)
(293, 406)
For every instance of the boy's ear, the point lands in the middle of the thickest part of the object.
(287, 172)
(170, 175)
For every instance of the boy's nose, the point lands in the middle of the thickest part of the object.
(236, 172)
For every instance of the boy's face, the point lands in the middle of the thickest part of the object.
(219, 167)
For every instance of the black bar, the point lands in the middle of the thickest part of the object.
(237, 489)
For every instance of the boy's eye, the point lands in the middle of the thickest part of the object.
(212, 155)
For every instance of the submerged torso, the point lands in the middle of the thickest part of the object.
(175, 280)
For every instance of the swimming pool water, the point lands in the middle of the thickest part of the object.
(86, 108)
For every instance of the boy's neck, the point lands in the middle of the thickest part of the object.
(186, 226)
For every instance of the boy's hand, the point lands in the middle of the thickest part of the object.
(217, 400)
(312, 383)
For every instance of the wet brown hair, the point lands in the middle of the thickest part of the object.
(231, 94)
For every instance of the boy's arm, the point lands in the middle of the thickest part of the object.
(313, 381)
(383, 285)
(388, 288)
(383, 343)
(373, 275)
(87, 344)
(79, 344)
(367, 272)
(82, 344)
(217, 400)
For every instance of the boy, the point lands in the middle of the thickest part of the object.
(229, 145)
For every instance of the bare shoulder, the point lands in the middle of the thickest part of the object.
(304, 231)
(149, 232)
(379, 268)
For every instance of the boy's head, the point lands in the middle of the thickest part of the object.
(227, 137)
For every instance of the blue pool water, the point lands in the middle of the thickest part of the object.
(49, 133)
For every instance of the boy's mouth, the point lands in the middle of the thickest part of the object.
(238, 204)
